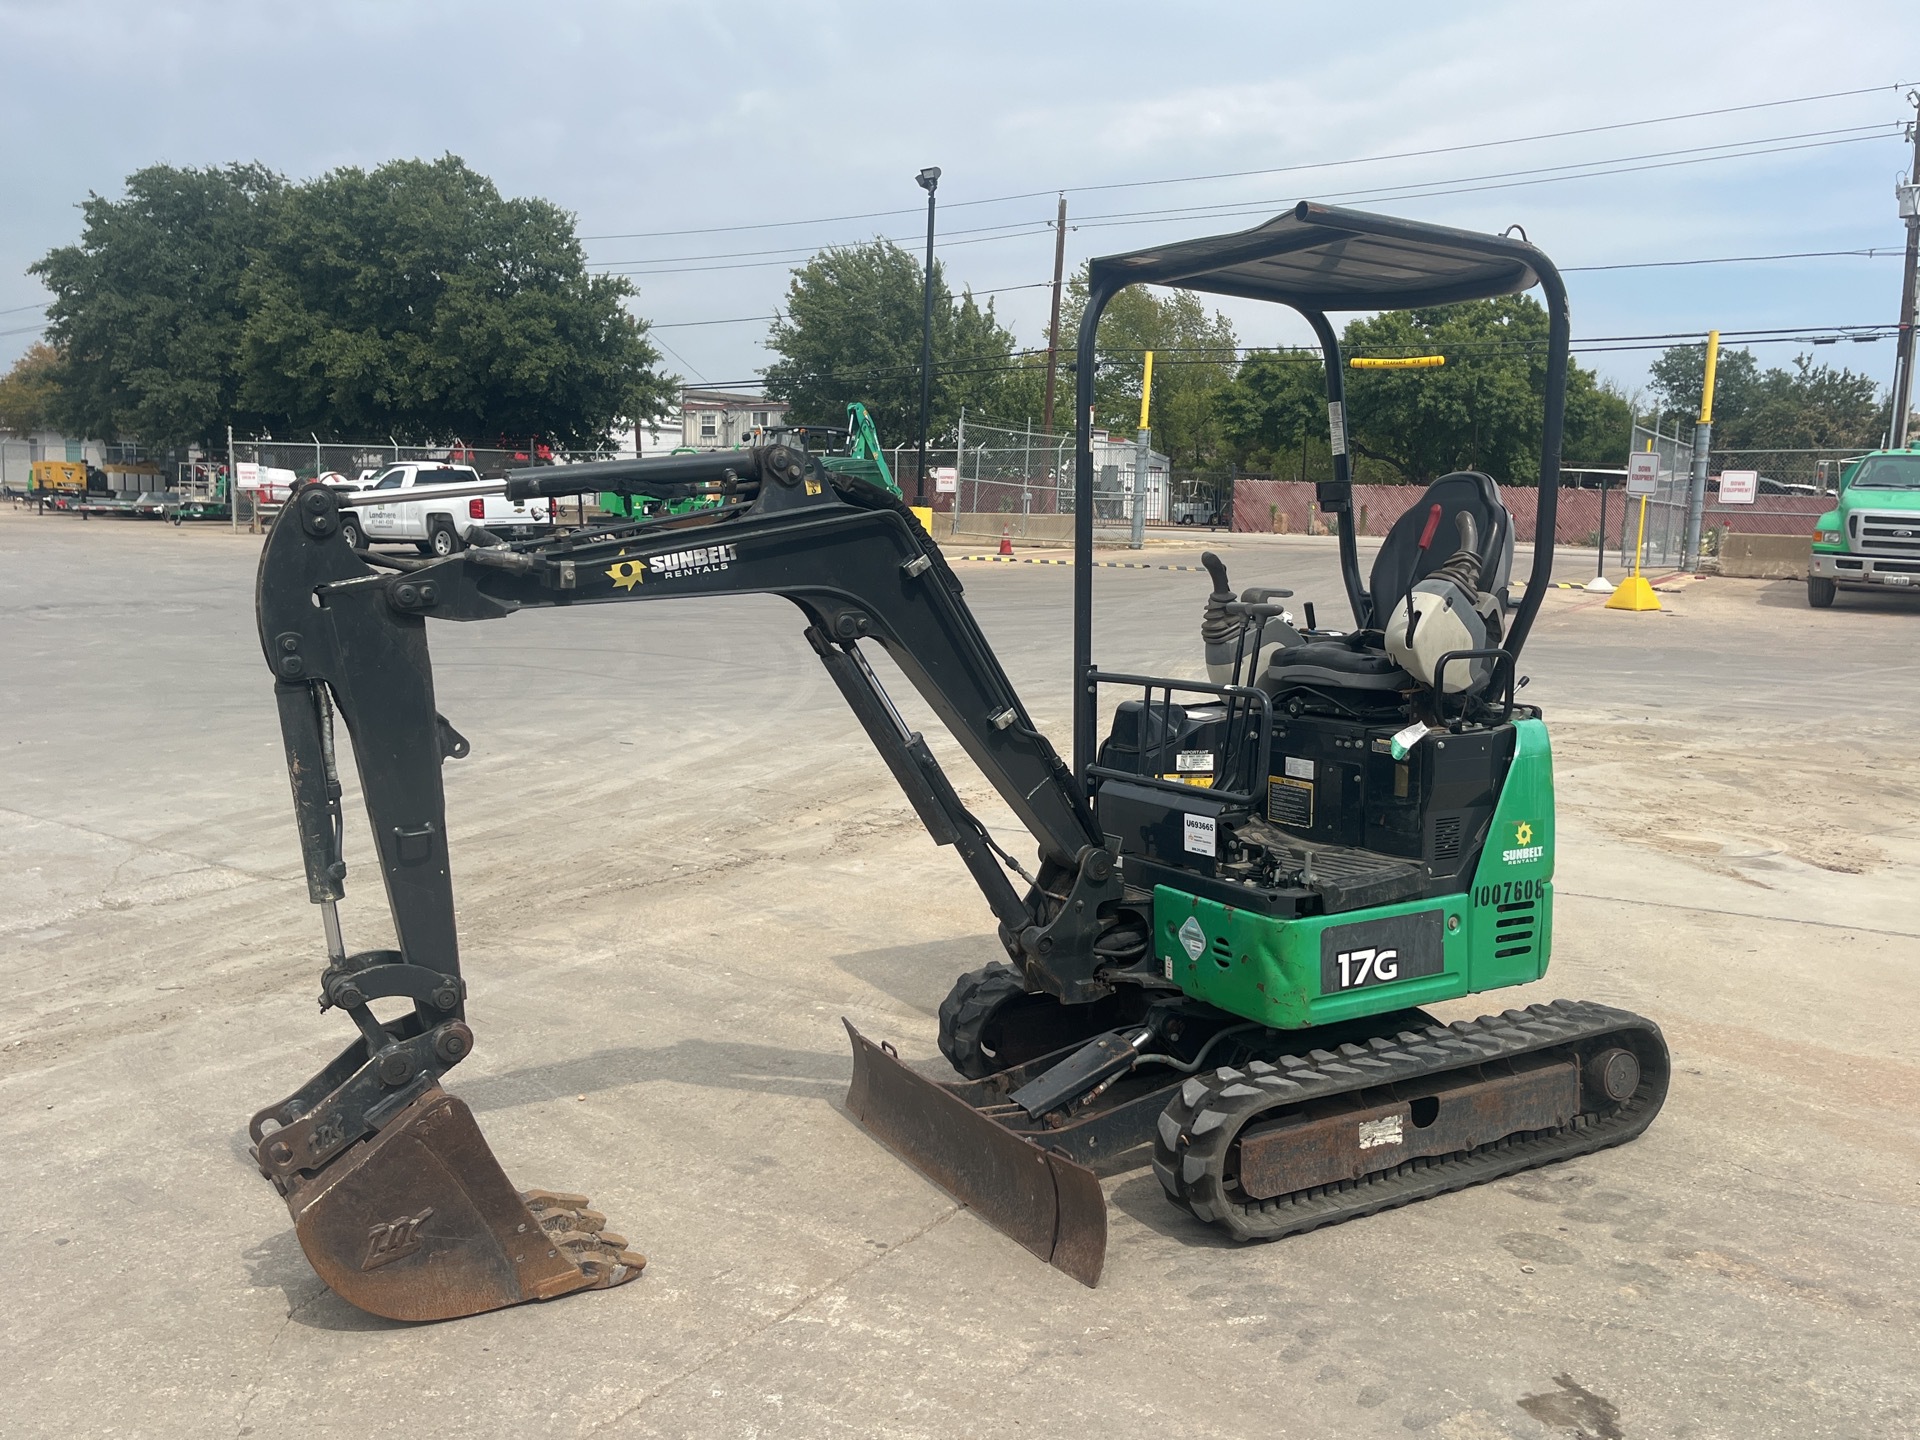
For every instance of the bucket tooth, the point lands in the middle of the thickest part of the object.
(419, 1222)
(1048, 1203)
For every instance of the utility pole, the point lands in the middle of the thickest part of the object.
(1702, 444)
(1053, 326)
(1909, 197)
(927, 180)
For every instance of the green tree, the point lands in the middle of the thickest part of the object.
(1807, 406)
(1195, 355)
(1679, 375)
(1276, 405)
(414, 300)
(147, 310)
(411, 301)
(1482, 410)
(851, 331)
(30, 391)
(1599, 425)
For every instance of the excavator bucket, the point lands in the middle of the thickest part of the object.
(1050, 1204)
(419, 1222)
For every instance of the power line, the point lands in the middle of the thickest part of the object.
(763, 319)
(808, 249)
(1880, 253)
(1598, 344)
(1273, 170)
(1424, 190)
(18, 308)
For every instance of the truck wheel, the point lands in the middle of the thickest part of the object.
(442, 541)
(350, 532)
(1820, 591)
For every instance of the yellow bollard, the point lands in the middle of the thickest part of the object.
(1634, 593)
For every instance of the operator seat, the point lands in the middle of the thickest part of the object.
(1358, 660)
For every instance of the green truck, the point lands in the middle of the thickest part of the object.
(1872, 537)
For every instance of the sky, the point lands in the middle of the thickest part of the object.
(761, 131)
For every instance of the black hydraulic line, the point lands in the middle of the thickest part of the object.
(1547, 507)
(919, 775)
(638, 476)
(1358, 599)
(1100, 291)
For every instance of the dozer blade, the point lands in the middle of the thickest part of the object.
(420, 1223)
(1047, 1202)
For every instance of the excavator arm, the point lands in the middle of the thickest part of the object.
(372, 1145)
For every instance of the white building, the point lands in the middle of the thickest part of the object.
(124, 464)
(656, 437)
(1116, 461)
(722, 419)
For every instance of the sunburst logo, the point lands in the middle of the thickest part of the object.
(626, 574)
(1523, 833)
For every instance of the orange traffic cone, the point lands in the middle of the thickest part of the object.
(1006, 539)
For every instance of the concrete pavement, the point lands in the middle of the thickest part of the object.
(678, 864)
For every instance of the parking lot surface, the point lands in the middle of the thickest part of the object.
(678, 864)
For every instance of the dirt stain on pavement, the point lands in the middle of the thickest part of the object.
(1577, 1409)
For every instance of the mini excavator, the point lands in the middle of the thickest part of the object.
(1245, 892)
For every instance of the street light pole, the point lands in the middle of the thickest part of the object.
(928, 179)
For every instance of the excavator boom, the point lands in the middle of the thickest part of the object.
(397, 1200)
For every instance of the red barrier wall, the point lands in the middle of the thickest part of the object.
(1263, 506)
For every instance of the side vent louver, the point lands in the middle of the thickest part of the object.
(1446, 838)
(1514, 931)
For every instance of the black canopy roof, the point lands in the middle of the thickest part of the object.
(1321, 257)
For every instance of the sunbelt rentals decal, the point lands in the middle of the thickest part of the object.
(1523, 850)
(626, 574)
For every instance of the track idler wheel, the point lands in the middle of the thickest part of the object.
(419, 1222)
(990, 1022)
(969, 1032)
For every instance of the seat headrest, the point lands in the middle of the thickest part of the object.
(1401, 563)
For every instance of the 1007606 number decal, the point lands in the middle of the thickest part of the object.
(1509, 892)
(1380, 952)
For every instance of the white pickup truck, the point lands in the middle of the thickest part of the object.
(438, 527)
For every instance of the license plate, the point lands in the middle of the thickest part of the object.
(1897, 579)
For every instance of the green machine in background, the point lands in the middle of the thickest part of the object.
(852, 449)
(863, 457)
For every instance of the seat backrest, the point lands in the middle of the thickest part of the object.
(1401, 563)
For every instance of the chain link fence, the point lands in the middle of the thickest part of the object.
(266, 469)
(1792, 490)
(1018, 481)
(1663, 537)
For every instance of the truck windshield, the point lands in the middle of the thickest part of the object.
(1888, 472)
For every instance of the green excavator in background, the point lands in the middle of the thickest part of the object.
(852, 449)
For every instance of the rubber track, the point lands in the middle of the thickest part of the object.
(1201, 1123)
(966, 1010)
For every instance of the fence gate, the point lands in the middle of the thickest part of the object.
(1666, 537)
